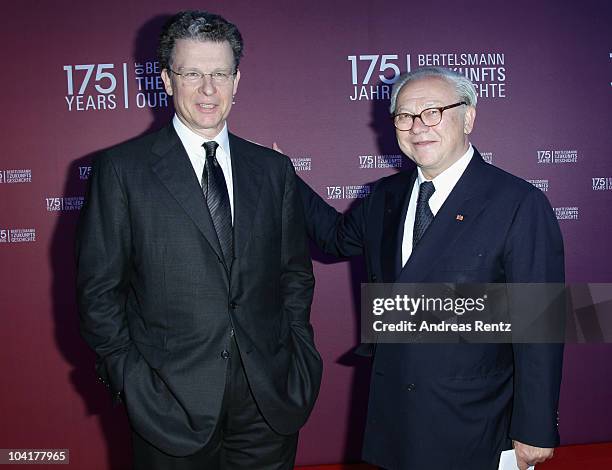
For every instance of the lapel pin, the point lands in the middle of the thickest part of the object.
(459, 217)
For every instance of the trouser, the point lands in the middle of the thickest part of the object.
(241, 440)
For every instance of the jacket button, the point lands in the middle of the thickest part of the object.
(225, 354)
(232, 333)
(233, 305)
(104, 382)
(373, 278)
(410, 387)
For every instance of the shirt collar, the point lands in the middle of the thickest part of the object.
(194, 142)
(449, 177)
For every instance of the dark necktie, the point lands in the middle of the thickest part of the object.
(424, 216)
(217, 199)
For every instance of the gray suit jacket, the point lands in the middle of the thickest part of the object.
(159, 305)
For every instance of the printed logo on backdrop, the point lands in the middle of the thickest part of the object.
(542, 185)
(17, 235)
(566, 213)
(15, 176)
(487, 156)
(101, 87)
(602, 184)
(64, 204)
(84, 172)
(302, 163)
(369, 162)
(547, 157)
(373, 75)
(348, 192)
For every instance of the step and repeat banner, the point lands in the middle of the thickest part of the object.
(316, 78)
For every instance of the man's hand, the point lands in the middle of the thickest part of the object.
(527, 455)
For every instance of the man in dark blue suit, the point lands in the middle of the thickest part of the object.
(454, 219)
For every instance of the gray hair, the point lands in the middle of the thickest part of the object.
(200, 26)
(463, 86)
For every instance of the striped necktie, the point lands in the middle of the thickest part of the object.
(217, 199)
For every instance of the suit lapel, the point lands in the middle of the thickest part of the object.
(456, 214)
(396, 207)
(248, 179)
(173, 168)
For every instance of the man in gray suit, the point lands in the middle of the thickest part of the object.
(194, 277)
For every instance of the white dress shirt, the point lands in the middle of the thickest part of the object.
(197, 155)
(444, 184)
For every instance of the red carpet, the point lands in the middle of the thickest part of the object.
(582, 457)
(341, 466)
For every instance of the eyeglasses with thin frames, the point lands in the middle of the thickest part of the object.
(195, 76)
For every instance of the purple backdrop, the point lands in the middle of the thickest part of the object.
(80, 77)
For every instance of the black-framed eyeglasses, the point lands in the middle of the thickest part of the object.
(195, 76)
(429, 117)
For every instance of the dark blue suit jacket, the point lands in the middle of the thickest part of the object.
(454, 406)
